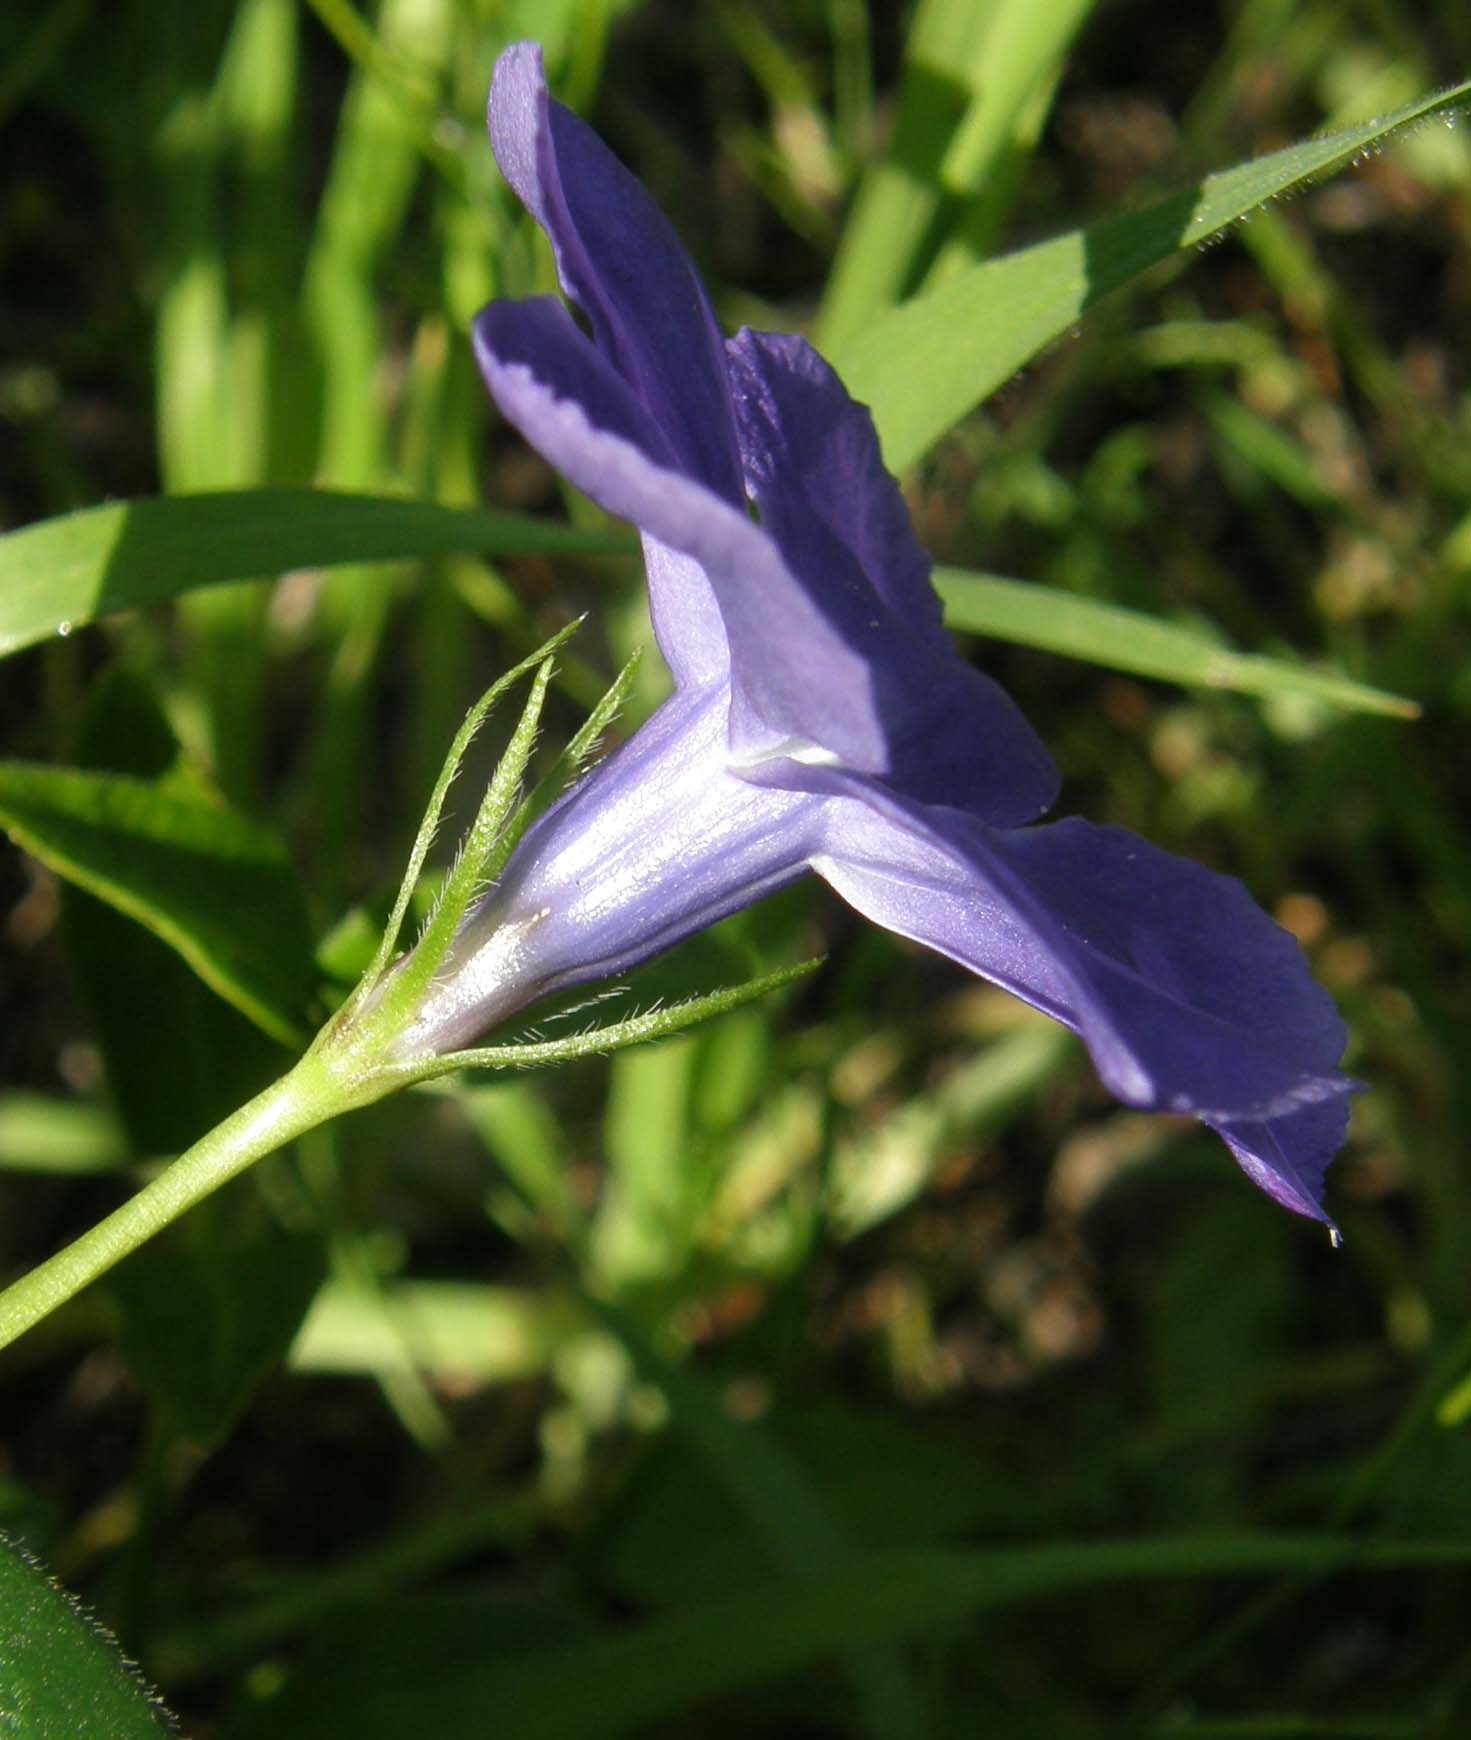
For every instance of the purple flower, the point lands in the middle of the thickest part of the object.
(821, 719)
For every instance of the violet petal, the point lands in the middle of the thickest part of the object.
(659, 841)
(565, 399)
(1189, 998)
(812, 462)
(812, 680)
(1287, 1157)
(622, 264)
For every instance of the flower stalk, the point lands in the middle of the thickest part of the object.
(365, 1051)
(300, 1100)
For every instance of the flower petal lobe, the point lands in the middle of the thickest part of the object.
(622, 264)
(1188, 997)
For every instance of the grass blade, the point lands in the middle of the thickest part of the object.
(1129, 640)
(62, 573)
(925, 364)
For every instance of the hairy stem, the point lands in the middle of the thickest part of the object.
(299, 1100)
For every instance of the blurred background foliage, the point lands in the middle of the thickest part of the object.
(560, 1406)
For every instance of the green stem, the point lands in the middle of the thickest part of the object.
(372, 1046)
(352, 1061)
(301, 1099)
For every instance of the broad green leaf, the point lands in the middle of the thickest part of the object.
(176, 1057)
(63, 573)
(144, 1002)
(61, 1676)
(925, 364)
(211, 884)
(1130, 640)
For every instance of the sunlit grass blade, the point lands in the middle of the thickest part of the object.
(384, 65)
(925, 364)
(452, 1330)
(1026, 49)
(60, 574)
(372, 181)
(972, 68)
(899, 195)
(644, 1229)
(257, 90)
(224, 309)
(1129, 640)
(41, 1134)
(884, 1165)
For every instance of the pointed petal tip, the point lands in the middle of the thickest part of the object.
(1288, 1157)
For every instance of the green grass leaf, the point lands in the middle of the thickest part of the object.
(925, 364)
(796, 1525)
(62, 573)
(1130, 640)
(216, 887)
(61, 1676)
(623, 1679)
(973, 69)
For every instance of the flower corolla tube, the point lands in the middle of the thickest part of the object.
(820, 718)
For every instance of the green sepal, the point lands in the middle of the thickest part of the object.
(429, 827)
(565, 769)
(617, 1036)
